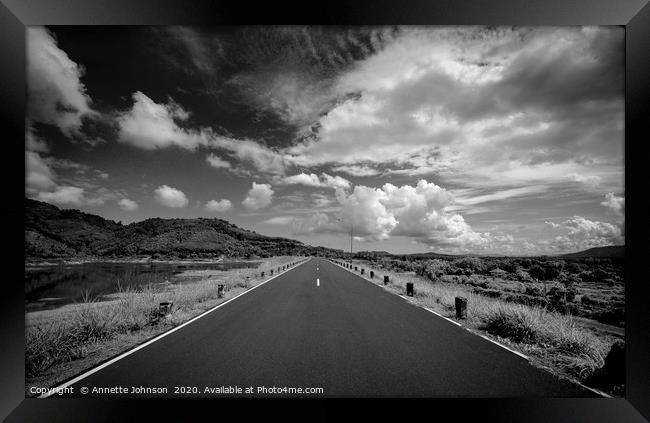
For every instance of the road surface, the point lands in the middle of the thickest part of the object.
(320, 326)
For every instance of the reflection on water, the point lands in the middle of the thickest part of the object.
(55, 285)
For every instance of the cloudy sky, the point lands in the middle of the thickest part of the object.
(492, 140)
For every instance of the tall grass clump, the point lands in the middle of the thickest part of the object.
(515, 323)
(62, 341)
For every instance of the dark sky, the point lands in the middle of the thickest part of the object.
(453, 139)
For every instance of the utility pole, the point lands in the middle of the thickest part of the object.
(351, 235)
(351, 231)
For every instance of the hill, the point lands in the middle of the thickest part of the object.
(51, 232)
(609, 251)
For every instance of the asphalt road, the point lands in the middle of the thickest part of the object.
(342, 334)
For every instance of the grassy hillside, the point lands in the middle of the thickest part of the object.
(51, 232)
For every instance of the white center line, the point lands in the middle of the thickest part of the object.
(317, 282)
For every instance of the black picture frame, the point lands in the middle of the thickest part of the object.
(634, 15)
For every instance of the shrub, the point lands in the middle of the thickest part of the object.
(551, 273)
(537, 272)
(586, 276)
(574, 268)
(533, 290)
(472, 264)
(517, 324)
(599, 274)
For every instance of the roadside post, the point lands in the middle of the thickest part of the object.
(461, 307)
(386, 280)
(362, 270)
(165, 308)
(372, 274)
(409, 289)
(220, 291)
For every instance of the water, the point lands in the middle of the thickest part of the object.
(52, 286)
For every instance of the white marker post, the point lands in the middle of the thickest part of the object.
(317, 282)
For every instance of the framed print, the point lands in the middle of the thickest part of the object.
(394, 208)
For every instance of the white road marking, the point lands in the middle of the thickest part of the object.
(504, 347)
(157, 338)
(446, 318)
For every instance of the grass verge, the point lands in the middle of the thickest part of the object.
(553, 341)
(63, 342)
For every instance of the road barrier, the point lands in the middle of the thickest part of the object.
(386, 280)
(461, 307)
(409, 289)
(372, 274)
(165, 308)
(220, 291)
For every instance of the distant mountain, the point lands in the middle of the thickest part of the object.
(51, 232)
(609, 251)
(430, 255)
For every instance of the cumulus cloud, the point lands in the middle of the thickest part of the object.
(170, 197)
(127, 205)
(149, 125)
(581, 233)
(419, 211)
(217, 162)
(313, 180)
(33, 142)
(43, 182)
(320, 200)
(64, 195)
(357, 170)
(263, 158)
(39, 174)
(56, 94)
(590, 180)
(258, 197)
(279, 220)
(218, 206)
(614, 203)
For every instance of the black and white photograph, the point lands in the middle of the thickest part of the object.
(299, 211)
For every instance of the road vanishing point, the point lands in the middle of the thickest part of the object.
(319, 325)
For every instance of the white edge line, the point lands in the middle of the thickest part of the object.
(84, 375)
(596, 391)
(440, 315)
(504, 347)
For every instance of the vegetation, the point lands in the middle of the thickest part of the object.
(64, 341)
(52, 233)
(586, 287)
(530, 304)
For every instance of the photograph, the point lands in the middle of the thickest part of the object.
(305, 211)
